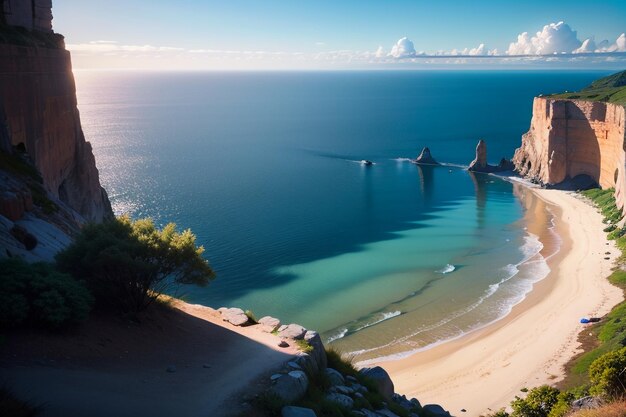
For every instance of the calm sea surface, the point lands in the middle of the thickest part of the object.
(264, 168)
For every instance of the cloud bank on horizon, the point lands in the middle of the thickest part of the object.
(554, 42)
(553, 39)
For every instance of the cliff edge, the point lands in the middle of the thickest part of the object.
(573, 137)
(38, 109)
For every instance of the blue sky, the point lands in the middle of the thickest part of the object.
(313, 27)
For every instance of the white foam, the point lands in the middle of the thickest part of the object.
(340, 334)
(382, 317)
(535, 269)
(447, 269)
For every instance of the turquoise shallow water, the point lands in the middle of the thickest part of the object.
(264, 167)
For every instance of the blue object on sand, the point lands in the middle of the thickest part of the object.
(584, 320)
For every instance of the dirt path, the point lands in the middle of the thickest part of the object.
(120, 369)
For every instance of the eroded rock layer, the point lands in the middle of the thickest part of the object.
(38, 113)
(568, 138)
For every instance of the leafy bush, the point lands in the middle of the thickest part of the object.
(538, 402)
(38, 294)
(127, 264)
(608, 374)
(563, 404)
(10, 405)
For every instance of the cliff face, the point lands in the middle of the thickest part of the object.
(573, 137)
(38, 113)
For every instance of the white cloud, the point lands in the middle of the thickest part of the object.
(588, 45)
(404, 48)
(618, 46)
(112, 46)
(553, 39)
(380, 52)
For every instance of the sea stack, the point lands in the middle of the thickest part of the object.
(425, 158)
(479, 164)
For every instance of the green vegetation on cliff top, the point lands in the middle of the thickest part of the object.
(611, 89)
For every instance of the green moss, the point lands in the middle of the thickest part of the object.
(304, 346)
(611, 89)
(251, 316)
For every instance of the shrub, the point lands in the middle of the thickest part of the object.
(608, 374)
(10, 405)
(127, 264)
(499, 413)
(563, 404)
(341, 363)
(38, 294)
(538, 402)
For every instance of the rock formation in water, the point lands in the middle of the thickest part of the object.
(480, 164)
(425, 158)
(569, 138)
(40, 127)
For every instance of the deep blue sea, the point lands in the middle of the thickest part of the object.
(264, 168)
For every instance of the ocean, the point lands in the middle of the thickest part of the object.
(264, 167)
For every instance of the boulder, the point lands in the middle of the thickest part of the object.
(403, 402)
(11, 206)
(586, 403)
(342, 389)
(319, 352)
(435, 410)
(369, 413)
(292, 331)
(506, 165)
(341, 399)
(359, 388)
(425, 158)
(291, 411)
(386, 413)
(234, 316)
(269, 324)
(335, 377)
(294, 365)
(290, 387)
(24, 237)
(382, 380)
(306, 361)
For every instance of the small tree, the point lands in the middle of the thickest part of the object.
(128, 264)
(608, 374)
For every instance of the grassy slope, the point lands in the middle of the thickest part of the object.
(610, 333)
(611, 89)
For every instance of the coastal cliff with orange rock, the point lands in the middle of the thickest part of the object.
(49, 181)
(570, 137)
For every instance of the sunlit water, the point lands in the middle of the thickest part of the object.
(264, 167)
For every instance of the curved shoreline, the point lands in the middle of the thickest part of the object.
(530, 345)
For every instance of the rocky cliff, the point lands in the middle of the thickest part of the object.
(49, 182)
(569, 137)
(39, 115)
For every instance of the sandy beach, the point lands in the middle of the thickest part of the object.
(484, 370)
